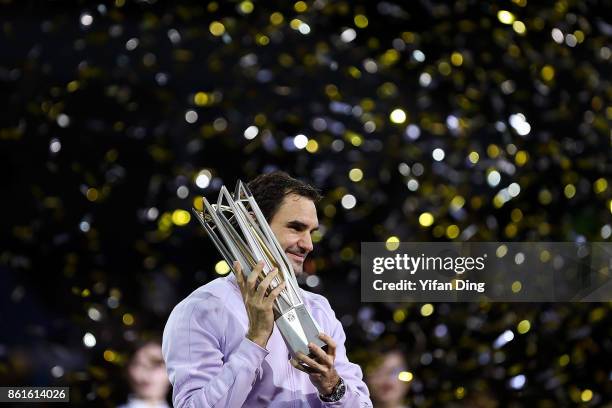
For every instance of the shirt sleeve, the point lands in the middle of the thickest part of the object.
(200, 373)
(356, 394)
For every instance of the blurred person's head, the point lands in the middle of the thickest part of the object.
(289, 207)
(146, 372)
(383, 377)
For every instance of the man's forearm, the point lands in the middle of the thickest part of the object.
(230, 387)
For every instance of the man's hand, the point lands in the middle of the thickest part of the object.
(321, 369)
(258, 305)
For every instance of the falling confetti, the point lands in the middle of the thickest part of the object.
(420, 121)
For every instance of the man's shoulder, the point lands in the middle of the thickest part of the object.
(208, 307)
(221, 288)
(315, 300)
(321, 311)
(212, 295)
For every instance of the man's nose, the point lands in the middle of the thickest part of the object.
(305, 242)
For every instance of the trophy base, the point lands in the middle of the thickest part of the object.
(298, 329)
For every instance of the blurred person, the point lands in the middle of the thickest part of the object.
(147, 377)
(383, 379)
(221, 345)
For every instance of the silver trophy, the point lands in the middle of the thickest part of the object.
(241, 233)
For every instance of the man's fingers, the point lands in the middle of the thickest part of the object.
(312, 364)
(239, 275)
(321, 356)
(296, 364)
(331, 344)
(265, 283)
(275, 292)
(252, 279)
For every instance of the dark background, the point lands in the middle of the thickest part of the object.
(79, 238)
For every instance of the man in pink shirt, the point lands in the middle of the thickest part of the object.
(221, 346)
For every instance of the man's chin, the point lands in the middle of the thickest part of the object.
(297, 262)
(298, 268)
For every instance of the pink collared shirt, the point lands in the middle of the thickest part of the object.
(211, 363)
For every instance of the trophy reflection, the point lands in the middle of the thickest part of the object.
(241, 233)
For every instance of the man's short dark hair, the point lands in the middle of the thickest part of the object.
(270, 189)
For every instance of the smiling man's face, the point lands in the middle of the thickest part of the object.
(294, 222)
